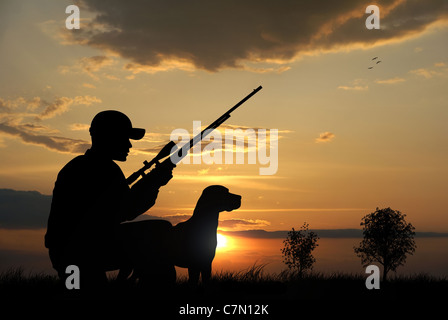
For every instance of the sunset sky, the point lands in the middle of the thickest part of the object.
(350, 138)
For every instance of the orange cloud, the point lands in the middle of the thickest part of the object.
(17, 121)
(438, 70)
(325, 137)
(61, 105)
(51, 142)
(391, 81)
(89, 66)
(354, 88)
(164, 38)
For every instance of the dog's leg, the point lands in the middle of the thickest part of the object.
(193, 276)
(167, 274)
(123, 274)
(172, 277)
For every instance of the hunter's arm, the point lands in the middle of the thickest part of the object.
(143, 193)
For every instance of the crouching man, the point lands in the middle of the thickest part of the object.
(91, 198)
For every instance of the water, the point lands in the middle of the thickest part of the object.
(332, 255)
(24, 248)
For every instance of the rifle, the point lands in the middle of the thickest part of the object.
(175, 154)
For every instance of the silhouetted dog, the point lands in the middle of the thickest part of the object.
(194, 241)
(147, 244)
(190, 244)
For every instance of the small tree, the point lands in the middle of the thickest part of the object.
(388, 238)
(298, 248)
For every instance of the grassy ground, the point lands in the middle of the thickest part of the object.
(251, 285)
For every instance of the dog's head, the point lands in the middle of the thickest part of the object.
(220, 198)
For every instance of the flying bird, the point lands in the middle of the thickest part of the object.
(374, 58)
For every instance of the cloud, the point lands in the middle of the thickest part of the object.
(213, 35)
(62, 104)
(89, 66)
(325, 137)
(438, 70)
(426, 73)
(59, 106)
(203, 171)
(23, 209)
(267, 70)
(11, 106)
(19, 106)
(234, 224)
(258, 182)
(79, 126)
(153, 142)
(34, 103)
(88, 85)
(323, 233)
(95, 63)
(37, 128)
(356, 85)
(173, 219)
(165, 65)
(54, 143)
(354, 88)
(242, 138)
(243, 224)
(14, 115)
(391, 81)
(224, 126)
(418, 49)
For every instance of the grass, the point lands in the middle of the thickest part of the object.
(251, 284)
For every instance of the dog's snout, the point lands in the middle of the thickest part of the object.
(235, 201)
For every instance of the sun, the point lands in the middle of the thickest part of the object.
(222, 241)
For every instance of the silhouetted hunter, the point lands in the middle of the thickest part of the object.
(91, 198)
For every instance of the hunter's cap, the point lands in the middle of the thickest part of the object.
(114, 123)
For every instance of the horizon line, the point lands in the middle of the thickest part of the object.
(321, 233)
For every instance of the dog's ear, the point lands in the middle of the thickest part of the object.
(233, 202)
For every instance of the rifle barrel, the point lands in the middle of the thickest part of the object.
(182, 152)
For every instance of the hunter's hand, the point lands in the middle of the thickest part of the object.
(144, 192)
(162, 174)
